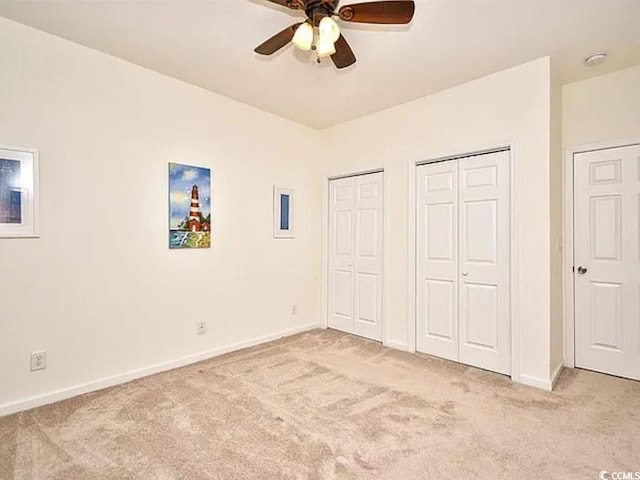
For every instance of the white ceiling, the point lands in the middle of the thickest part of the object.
(210, 43)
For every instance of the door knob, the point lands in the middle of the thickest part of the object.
(464, 274)
(582, 270)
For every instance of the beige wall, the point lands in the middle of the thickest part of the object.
(602, 109)
(556, 229)
(103, 295)
(99, 290)
(510, 106)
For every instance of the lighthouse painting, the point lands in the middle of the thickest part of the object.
(189, 206)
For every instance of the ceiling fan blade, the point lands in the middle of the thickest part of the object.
(292, 4)
(344, 56)
(393, 12)
(278, 41)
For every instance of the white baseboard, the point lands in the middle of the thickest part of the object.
(56, 396)
(556, 374)
(536, 382)
(541, 383)
(396, 345)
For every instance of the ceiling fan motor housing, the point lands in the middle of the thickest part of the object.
(316, 10)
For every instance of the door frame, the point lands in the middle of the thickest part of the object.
(568, 253)
(412, 281)
(324, 294)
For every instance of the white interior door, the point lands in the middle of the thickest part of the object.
(607, 260)
(463, 255)
(356, 254)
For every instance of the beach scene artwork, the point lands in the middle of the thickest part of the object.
(189, 206)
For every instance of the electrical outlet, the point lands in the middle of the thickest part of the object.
(202, 328)
(38, 361)
(294, 309)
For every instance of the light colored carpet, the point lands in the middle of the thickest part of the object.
(324, 405)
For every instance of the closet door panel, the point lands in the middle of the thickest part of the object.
(437, 276)
(341, 254)
(369, 255)
(485, 334)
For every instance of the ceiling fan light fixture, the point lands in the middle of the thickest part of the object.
(320, 32)
(303, 38)
(325, 47)
(328, 28)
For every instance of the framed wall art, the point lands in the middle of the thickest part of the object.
(283, 212)
(189, 206)
(18, 192)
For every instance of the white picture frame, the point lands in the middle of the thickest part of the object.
(283, 212)
(19, 190)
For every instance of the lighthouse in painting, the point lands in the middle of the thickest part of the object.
(189, 215)
(194, 212)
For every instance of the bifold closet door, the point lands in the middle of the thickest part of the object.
(437, 226)
(485, 321)
(356, 254)
(463, 256)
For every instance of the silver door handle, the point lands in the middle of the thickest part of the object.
(464, 274)
(582, 270)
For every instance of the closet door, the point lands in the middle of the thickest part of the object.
(368, 260)
(356, 255)
(463, 255)
(341, 254)
(485, 333)
(437, 269)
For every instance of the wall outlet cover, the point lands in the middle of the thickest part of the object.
(38, 361)
(202, 328)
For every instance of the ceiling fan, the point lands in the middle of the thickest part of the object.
(329, 42)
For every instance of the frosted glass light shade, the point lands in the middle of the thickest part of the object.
(325, 47)
(303, 38)
(328, 28)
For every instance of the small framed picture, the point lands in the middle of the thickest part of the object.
(283, 212)
(18, 192)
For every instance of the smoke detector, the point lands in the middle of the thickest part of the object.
(595, 59)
